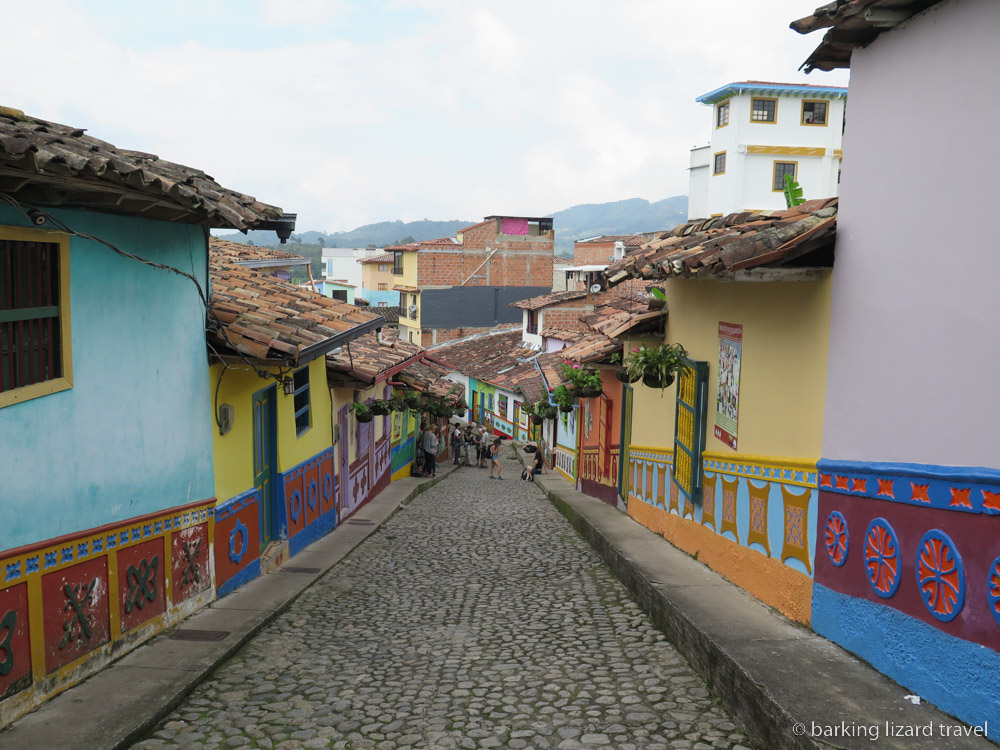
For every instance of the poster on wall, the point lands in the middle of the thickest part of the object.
(727, 401)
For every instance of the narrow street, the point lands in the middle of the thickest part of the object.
(475, 618)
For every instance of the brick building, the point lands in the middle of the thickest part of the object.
(456, 286)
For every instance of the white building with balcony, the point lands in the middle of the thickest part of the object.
(760, 133)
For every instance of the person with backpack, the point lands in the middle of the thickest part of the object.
(429, 445)
(457, 444)
(495, 459)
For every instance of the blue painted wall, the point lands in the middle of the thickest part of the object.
(374, 296)
(133, 434)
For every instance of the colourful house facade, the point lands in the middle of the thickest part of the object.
(107, 515)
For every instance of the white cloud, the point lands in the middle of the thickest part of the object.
(476, 109)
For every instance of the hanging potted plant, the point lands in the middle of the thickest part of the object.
(362, 412)
(656, 365)
(582, 382)
(411, 399)
(564, 398)
(545, 410)
(621, 371)
(380, 407)
(397, 404)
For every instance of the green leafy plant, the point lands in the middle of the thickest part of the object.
(545, 410)
(380, 407)
(362, 412)
(564, 398)
(793, 193)
(583, 382)
(656, 365)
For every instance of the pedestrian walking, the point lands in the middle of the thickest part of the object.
(495, 459)
(484, 448)
(457, 444)
(429, 444)
(469, 447)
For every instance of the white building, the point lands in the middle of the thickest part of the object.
(341, 263)
(761, 132)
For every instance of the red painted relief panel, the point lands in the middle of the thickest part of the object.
(326, 484)
(189, 556)
(237, 537)
(15, 640)
(75, 604)
(295, 503)
(141, 576)
(311, 487)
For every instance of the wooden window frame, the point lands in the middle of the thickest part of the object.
(826, 119)
(774, 175)
(715, 162)
(397, 263)
(718, 113)
(65, 381)
(764, 99)
(302, 411)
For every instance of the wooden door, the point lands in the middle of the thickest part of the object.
(264, 448)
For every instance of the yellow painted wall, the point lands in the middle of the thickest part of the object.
(234, 450)
(409, 277)
(371, 277)
(783, 371)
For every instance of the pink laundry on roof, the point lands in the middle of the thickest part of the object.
(514, 226)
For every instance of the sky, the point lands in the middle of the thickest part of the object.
(350, 113)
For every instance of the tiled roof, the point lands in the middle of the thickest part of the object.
(429, 377)
(390, 313)
(268, 319)
(852, 23)
(365, 359)
(591, 349)
(383, 258)
(47, 163)
(562, 334)
(499, 359)
(547, 300)
(621, 315)
(404, 288)
(723, 246)
(256, 257)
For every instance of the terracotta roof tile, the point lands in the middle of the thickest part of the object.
(365, 358)
(266, 318)
(722, 246)
(592, 349)
(562, 334)
(83, 170)
(547, 300)
(240, 253)
(850, 27)
(383, 258)
(621, 315)
(499, 359)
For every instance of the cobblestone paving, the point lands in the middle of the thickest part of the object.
(475, 618)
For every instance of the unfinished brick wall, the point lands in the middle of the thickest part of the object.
(592, 253)
(431, 336)
(566, 315)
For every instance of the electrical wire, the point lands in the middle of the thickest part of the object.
(34, 213)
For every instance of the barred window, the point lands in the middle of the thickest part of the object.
(397, 264)
(720, 163)
(34, 345)
(781, 168)
(722, 115)
(814, 113)
(300, 381)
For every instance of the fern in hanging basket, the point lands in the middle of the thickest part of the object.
(545, 410)
(380, 407)
(656, 365)
(362, 412)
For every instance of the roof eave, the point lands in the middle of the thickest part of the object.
(321, 348)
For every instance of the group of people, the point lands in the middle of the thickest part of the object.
(473, 445)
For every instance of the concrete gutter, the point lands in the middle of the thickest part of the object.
(779, 680)
(119, 705)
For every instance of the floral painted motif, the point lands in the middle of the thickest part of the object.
(882, 562)
(940, 576)
(838, 539)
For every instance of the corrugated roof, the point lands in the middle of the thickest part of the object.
(770, 87)
(723, 246)
(269, 319)
(853, 23)
(547, 300)
(46, 163)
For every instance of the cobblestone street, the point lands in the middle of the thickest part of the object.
(475, 618)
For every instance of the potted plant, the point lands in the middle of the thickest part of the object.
(411, 399)
(584, 383)
(621, 371)
(397, 404)
(380, 407)
(564, 398)
(362, 412)
(656, 365)
(545, 410)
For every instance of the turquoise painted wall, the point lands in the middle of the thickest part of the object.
(134, 433)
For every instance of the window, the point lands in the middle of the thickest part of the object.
(383, 267)
(414, 310)
(411, 337)
(502, 406)
(722, 115)
(397, 264)
(300, 380)
(763, 110)
(781, 168)
(329, 266)
(517, 412)
(383, 304)
(532, 324)
(383, 286)
(35, 356)
(720, 163)
(814, 113)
